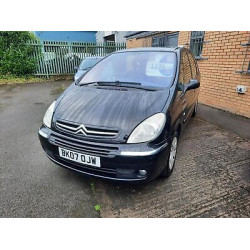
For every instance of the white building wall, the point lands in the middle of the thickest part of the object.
(119, 36)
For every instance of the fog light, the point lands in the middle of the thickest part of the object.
(142, 172)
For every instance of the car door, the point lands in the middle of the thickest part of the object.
(188, 96)
(178, 109)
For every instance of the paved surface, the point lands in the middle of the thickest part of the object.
(237, 124)
(211, 176)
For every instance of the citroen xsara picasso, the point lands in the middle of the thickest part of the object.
(122, 119)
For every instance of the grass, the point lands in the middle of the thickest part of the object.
(8, 80)
(97, 207)
(92, 185)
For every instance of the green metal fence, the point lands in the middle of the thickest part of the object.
(60, 58)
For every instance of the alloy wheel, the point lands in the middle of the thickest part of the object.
(173, 151)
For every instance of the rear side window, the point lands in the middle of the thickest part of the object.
(193, 65)
(181, 74)
(185, 69)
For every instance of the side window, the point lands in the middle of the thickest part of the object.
(193, 65)
(185, 70)
(181, 73)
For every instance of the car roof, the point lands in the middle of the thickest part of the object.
(165, 49)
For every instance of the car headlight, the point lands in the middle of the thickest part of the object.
(48, 115)
(149, 129)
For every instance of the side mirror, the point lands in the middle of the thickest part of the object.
(193, 84)
(76, 68)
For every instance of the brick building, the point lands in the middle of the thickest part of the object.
(223, 58)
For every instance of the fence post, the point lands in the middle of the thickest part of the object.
(44, 64)
(86, 49)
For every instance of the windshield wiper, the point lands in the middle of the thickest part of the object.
(117, 83)
(111, 83)
(87, 83)
(135, 85)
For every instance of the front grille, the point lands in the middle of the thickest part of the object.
(83, 146)
(80, 129)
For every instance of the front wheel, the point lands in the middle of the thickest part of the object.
(167, 171)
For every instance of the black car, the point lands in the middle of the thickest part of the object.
(123, 118)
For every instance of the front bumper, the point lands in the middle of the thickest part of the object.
(120, 162)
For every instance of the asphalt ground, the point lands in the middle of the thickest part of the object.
(211, 176)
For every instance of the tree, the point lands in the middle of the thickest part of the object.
(16, 55)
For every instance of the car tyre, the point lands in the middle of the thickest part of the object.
(168, 169)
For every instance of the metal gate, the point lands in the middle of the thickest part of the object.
(60, 58)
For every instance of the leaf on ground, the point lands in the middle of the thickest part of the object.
(97, 207)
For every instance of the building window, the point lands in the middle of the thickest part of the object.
(166, 40)
(159, 41)
(110, 38)
(196, 43)
(245, 69)
(155, 42)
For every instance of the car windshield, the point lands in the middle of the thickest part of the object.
(149, 68)
(88, 62)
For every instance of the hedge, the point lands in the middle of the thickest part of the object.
(16, 54)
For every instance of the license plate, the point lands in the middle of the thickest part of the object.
(80, 158)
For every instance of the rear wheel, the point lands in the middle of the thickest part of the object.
(167, 171)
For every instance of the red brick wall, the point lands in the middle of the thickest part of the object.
(224, 56)
(218, 77)
(144, 41)
(184, 38)
(140, 42)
